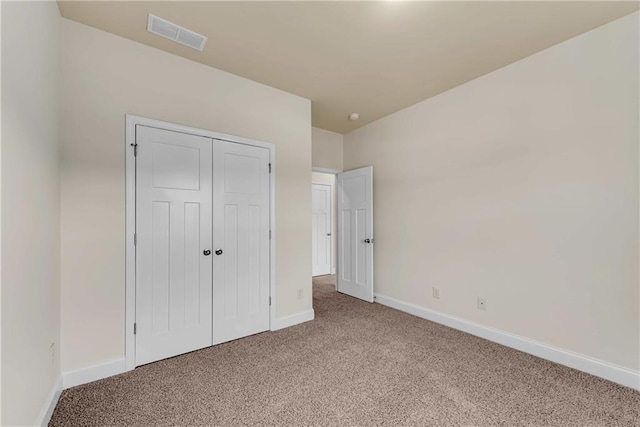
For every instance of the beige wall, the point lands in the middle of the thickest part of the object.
(105, 77)
(330, 180)
(327, 149)
(522, 187)
(31, 209)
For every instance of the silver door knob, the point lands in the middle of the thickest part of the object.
(218, 251)
(206, 252)
(367, 240)
(328, 234)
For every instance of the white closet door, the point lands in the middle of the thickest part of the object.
(321, 229)
(355, 233)
(241, 240)
(173, 227)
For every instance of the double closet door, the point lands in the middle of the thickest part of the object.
(202, 242)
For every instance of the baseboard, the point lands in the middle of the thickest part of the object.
(599, 368)
(294, 319)
(50, 403)
(118, 366)
(93, 373)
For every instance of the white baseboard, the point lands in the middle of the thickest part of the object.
(118, 366)
(294, 319)
(599, 368)
(50, 403)
(93, 373)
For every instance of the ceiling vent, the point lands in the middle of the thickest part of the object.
(174, 32)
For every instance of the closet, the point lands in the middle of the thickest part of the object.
(202, 250)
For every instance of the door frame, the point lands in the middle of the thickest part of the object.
(335, 173)
(130, 220)
(330, 228)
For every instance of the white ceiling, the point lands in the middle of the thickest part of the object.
(374, 58)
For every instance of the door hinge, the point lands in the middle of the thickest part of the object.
(269, 234)
(135, 328)
(269, 301)
(135, 150)
(135, 239)
(269, 167)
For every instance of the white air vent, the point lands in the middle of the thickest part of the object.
(174, 32)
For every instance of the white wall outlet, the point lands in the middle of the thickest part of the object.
(435, 292)
(300, 293)
(482, 303)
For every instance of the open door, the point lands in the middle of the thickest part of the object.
(355, 233)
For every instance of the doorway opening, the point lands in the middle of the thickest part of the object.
(342, 230)
(324, 227)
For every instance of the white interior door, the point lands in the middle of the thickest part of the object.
(321, 229)
(173, 230)
(241, 240)
(355, 233)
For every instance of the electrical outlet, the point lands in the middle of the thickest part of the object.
(482, 303)
(300, 294)
(435, 293)
(52, 349)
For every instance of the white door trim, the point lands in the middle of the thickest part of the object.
(325, 170)
(130, 220)
(334, 172)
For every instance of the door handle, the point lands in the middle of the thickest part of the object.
(328, 234)
(206, 252)
(218, 251)
(368, 240)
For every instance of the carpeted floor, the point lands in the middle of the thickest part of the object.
(356, 364)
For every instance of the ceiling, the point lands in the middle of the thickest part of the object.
(373, 58)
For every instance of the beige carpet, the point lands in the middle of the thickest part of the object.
(356, 364)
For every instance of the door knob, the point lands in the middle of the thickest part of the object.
(328, 234)
(368, 240)
(218, 251)
(206, 252)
